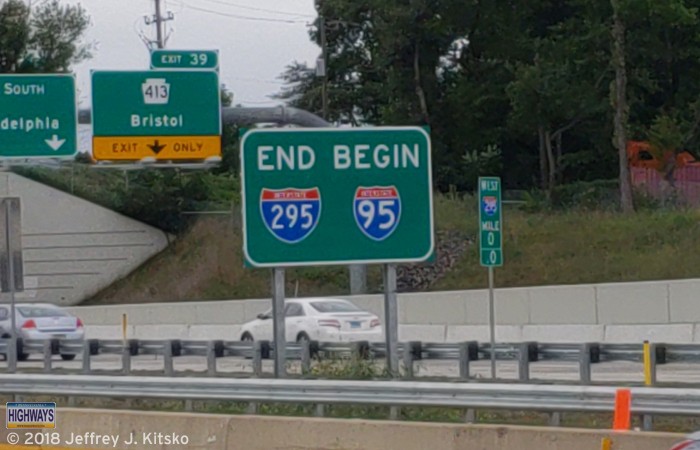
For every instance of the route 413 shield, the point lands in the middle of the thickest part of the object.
(377, 211)
(290, 214)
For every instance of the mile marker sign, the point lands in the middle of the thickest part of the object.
(336, 196)
(490, 222)
(38, 116)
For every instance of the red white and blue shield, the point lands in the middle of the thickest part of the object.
(377, 211)
(290, 214)
(490, 205)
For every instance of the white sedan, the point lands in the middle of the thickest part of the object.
(317, 319)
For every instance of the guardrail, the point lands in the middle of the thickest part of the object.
(463, 353)
(554, 399)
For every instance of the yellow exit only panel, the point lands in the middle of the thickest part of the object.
(120, 148)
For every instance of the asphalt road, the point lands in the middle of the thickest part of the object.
(506, 370)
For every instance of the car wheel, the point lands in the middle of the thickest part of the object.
(303, 337)
(68, 357)
(247, 337)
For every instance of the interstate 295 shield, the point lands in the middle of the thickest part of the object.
(377, 211)
(290, 214)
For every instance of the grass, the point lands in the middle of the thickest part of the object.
(589, 244)
(543, 248)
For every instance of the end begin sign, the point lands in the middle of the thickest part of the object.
(336, 196)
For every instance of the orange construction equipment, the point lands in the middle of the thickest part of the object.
(639, 154)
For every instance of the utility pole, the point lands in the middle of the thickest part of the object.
(324, 52)
(159, 20)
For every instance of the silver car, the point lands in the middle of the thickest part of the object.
(41, 321)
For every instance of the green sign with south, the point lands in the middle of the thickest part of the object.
(38, 116)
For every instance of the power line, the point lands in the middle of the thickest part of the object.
(237, 16)
(159, 20)
(251, 8)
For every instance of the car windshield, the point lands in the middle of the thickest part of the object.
(334, 307)
(41, 311)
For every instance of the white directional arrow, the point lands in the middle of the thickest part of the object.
(55, 143)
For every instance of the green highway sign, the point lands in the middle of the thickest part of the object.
(184, 59)
(336, 196)
(161, 114)
(38, 116)
(490, 222)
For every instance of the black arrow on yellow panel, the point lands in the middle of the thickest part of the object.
(156, 147)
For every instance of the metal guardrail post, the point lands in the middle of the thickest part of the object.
(211, 358)
(47, 356)
(394, 413)
(305, 357)
(554, 419)
(319, 410)
(464, 360)
(252, 408)
(168, 369)
(189, 405)
(524, 361)
(408, 360)
(584, 363)
(257, 358)
(86, 356)
(12, 356)
(126, 359)
(469, 416)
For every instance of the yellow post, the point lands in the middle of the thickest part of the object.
(606, 444)
(124, 326)
(647, 363)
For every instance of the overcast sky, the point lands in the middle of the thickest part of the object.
(256, 39)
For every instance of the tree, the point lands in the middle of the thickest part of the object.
(45, 39)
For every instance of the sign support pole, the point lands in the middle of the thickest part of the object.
(12, 351)
(492, 324)
(391, 316)
(278, 323)
(491, 245)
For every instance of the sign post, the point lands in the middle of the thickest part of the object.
(38, 116)
(161, 115)
(11, 265)
(338, 196)
(491, 245)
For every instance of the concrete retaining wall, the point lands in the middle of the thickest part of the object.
(663, 311)
(219, 432)
(74, 248)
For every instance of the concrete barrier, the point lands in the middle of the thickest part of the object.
(72, 248)
(101, 428)
(660, 311)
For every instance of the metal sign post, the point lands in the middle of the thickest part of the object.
(11, 270)
(279, 329)
(491, 245)
(391, 320)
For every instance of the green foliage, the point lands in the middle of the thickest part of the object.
(516, 75)
(161, 198)
(481, 163)
(47, 38)
(353, 368)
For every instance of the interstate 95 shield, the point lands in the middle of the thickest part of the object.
(377, 211)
